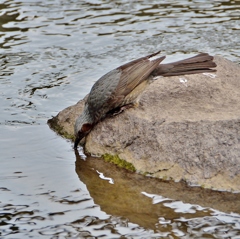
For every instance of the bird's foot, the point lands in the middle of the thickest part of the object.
(119, 110)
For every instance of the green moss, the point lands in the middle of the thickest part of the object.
(53, 124)
(146, 173)
(165, 178)
(120, 162)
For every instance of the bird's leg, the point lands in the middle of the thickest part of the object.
(119, 110)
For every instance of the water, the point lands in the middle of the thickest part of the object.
(51, 54)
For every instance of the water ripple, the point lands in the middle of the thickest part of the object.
(51, 53)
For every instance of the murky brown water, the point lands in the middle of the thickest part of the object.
(51, 53)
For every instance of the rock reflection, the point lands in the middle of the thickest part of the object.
(137, 198)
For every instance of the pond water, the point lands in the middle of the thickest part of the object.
(51, 54)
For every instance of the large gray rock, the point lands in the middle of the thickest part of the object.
(185, 128)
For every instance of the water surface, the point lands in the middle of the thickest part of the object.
(51, 53)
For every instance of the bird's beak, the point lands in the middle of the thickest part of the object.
(78, 138)
(76, 142)
(86, 128)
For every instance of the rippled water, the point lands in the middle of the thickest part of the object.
(51, 53)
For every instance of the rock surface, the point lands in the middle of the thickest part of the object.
(185, 128)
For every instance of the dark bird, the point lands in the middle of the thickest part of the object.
(122, 87)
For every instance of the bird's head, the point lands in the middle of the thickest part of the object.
(81, 129)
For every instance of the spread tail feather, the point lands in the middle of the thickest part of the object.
(200, 63)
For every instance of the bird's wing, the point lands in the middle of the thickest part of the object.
(134, 73)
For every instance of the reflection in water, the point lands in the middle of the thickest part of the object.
(51, 53)
(151, 203)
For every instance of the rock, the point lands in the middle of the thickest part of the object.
(185, 128)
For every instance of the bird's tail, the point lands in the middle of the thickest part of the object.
(200, 63)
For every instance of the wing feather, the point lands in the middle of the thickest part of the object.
(135, 74)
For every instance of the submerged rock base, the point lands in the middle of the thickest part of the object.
(185, 128)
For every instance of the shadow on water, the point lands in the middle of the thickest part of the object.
(147, 201)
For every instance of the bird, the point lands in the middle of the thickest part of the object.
(121, 88)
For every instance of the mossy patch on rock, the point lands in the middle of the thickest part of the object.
(120, 162)
(54, 125)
